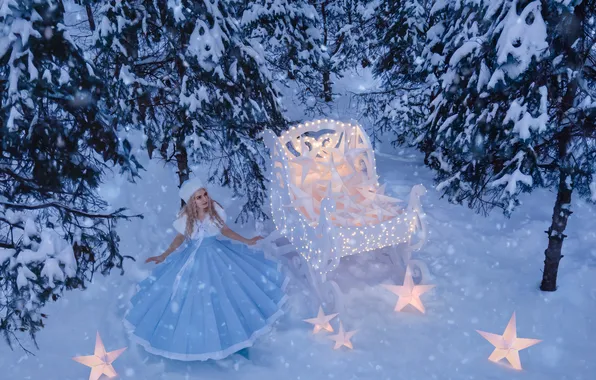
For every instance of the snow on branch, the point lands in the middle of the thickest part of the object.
(523, 38)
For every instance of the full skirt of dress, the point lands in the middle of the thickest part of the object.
(208, 299)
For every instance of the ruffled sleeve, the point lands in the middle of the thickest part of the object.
(180, 224)
(221, 212)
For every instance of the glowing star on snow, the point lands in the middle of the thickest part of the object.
(101, 361)
(409, 294)
(342, 338)
(508, 345)
(321, 322)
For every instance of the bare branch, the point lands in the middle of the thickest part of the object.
(115, 214)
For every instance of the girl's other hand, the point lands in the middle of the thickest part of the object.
(254, 240)
(156, 259)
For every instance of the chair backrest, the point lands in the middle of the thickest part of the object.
(327, 133)
(329, 159)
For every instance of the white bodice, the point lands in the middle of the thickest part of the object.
(204, 229)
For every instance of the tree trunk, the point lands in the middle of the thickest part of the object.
(163, 149)
(553, 254)
(561, 212)
(327, 91)
(182, 162)
(90, 17)
(150, 143)
(131, 43)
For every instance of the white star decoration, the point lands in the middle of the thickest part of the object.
(409, 294)
(342, 338)
(305, 161)
(303, 200)
(101, 361)
(321, 322)
(353, 155)
(508, 345)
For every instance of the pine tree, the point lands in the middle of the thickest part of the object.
(310, 42)
(400, 29)
(512, 110)
(195, 85)
(343, 28)
(140, 62)
(287, 34)
(568, 159)
(55, 145)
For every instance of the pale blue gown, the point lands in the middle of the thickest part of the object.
(209, 299)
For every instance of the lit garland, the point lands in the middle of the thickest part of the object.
(304, 209)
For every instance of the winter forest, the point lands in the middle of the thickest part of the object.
(110, 109)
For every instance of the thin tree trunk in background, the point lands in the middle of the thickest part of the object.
(163, 150)
(182, 162)
(150, 146)
(131, 40)
(555, 233)
(562, 207)
(90, 17)
(327, 91)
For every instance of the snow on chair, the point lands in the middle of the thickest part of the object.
(327, 203)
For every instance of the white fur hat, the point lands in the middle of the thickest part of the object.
(189, 187)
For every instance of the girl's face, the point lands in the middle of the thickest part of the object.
(201, 199)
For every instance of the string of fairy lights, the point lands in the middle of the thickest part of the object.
(323, 240)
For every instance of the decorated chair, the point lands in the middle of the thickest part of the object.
(327, 203)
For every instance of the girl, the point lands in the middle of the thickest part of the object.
(210, 298)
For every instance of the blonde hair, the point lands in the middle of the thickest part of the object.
(191, 210)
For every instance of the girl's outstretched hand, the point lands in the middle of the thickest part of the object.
(254, 240)
(156, 259)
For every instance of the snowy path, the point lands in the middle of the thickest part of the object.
(484, 268)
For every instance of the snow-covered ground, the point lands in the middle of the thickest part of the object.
(485, 268)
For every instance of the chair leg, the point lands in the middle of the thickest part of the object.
(331, 296)
(419, 270)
